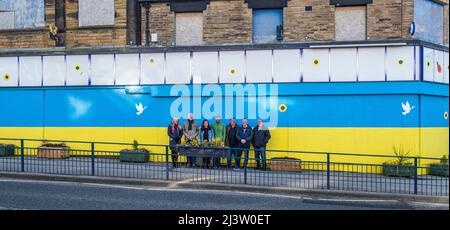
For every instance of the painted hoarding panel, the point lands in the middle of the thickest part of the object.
(30, 71)
(232, 67)
(152, 68)
(371, 64)
(400, 63)
(178, 68)
(54, 72)
(428, 64)
(343, 64)
(316, 65)
(23, 108)
(205, 67)
(78, 70)
(127, 69)
(103, 69)
(446, 68)
(9, 71)
(259, 66)
(438, 66)
(286, 65)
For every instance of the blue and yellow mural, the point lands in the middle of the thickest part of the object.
(367, 118)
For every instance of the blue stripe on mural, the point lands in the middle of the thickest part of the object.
(314, 105)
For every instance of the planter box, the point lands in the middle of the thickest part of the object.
(134, 156)
(53, 152)
(7, 150)
(200, 153)
(438, 170)
(398, 170)
(285, 165)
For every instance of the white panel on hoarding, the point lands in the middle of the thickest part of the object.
(315, 65)
(286, 65)
(178, 68)
(102, 69)
(428, 64)
(30, 71)
(400, 63)
(127, 69)
(205, 68)
(9, 71)
(54, 70)
(343, 64)
(259, 66)
(438, 66)
(371, 64)
(78, 70)
(232, 67)
(152, 68)
(446, 68)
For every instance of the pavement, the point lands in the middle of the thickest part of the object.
(25, 194)
(315, 180)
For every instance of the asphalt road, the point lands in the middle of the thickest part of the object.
(43, 195)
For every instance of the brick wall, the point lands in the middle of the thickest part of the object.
(301, 25)
(227, 22)
(30, 38)
(161, 23)
(95, 36)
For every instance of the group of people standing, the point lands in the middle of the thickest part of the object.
(237, 138)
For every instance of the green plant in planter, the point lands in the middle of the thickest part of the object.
(401, 166)
(439, 169)
(135, 155)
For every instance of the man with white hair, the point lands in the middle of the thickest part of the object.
(190, 132)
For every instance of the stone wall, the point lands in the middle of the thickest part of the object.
(30, 38)
(224, 22)
(95, 36)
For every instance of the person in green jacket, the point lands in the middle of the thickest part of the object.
(219, 133)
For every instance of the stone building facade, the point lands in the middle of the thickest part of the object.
(224, 22)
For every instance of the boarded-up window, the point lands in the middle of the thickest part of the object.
(95, 13)
(350, 23)
(21, 14)
(429, 19)
(189, 29)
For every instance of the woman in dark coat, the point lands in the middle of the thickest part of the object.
(206, 135)
(175, 134)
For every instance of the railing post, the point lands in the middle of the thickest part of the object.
(245, 166)
(22, 156)
(328, 170)
(167, 162)
(93, 159)
(415, 175)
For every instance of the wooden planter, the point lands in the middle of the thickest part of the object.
(7, 150)
(285, 165)
(200, 153)
(134, 156)
(438, 170)
(53, 152)
(398, 170)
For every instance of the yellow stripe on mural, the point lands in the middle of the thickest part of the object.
(426, 142)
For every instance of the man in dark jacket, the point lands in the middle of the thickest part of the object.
(244, 136)
(261, 137)
(232, 142)
(175, 134)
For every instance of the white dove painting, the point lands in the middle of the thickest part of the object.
(140, 108)
(407, 108)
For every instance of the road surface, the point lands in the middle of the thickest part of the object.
(44, 195)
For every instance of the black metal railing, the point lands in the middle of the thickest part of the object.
(304, 169)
